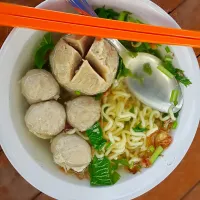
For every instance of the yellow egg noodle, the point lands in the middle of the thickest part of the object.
(118, 121)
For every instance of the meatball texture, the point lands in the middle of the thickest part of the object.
(39, 85)
(90, 74)
(45, 119)
(71, 152)
(83, 112)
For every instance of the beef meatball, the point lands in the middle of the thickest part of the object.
(83, 112)
(39, 85)
(71, 152)
(90, 75)
(45, 119)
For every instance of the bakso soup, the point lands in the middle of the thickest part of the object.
(80, 101)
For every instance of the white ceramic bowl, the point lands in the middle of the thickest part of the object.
(31, 156)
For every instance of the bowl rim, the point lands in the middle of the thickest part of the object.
(42, 184)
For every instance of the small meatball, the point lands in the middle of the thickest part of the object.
(45, 119)
(39, 85)
(104, 58)
(79, 42)
(83, 112)
(71, 152)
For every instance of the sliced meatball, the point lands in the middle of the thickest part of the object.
(83, 112)
(80, 43)
(104, 58)
(71, 152)
(45, 119)
(89, 77)
(64, 61)
(39, 85)
(87, 81)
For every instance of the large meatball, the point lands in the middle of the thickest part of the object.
(90, 75)
(79, 42)
(64, 61)
(71, 152)
(83, 112)
(105, 60)
(45, 119)
(39, 85)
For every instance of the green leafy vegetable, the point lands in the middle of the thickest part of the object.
(77, 92)
(177, 73)
(147, 69)
(115, 177)
(138, 128)
(155, 155)
(41, 56)
(134, 47)
(168, 59)
(175, 124)
(133, 54)
(176, 114)
(174, 97)
(95, 135)
(123, 16)
(144, 47)
(165, 71)
(122, 70)
(102, 173)
(167, 49)
(132, 110)
(123, 162)
(106, 13)
(137, 77)
(98, 96)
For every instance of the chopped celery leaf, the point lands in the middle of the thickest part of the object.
(138, 128)
(165, 71)
(175, 124)
(123, 162)
(77, 92)
(106, 13)
(167, 49)
(174, 97)
(147, 69)
(98, 96)
(122, 70)
(156, 153)
(123, 16)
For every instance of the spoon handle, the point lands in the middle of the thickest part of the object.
(84, 8)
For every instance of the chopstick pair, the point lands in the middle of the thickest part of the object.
(53, 21)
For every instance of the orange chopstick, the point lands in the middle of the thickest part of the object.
(21, 16)
(13, 9)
